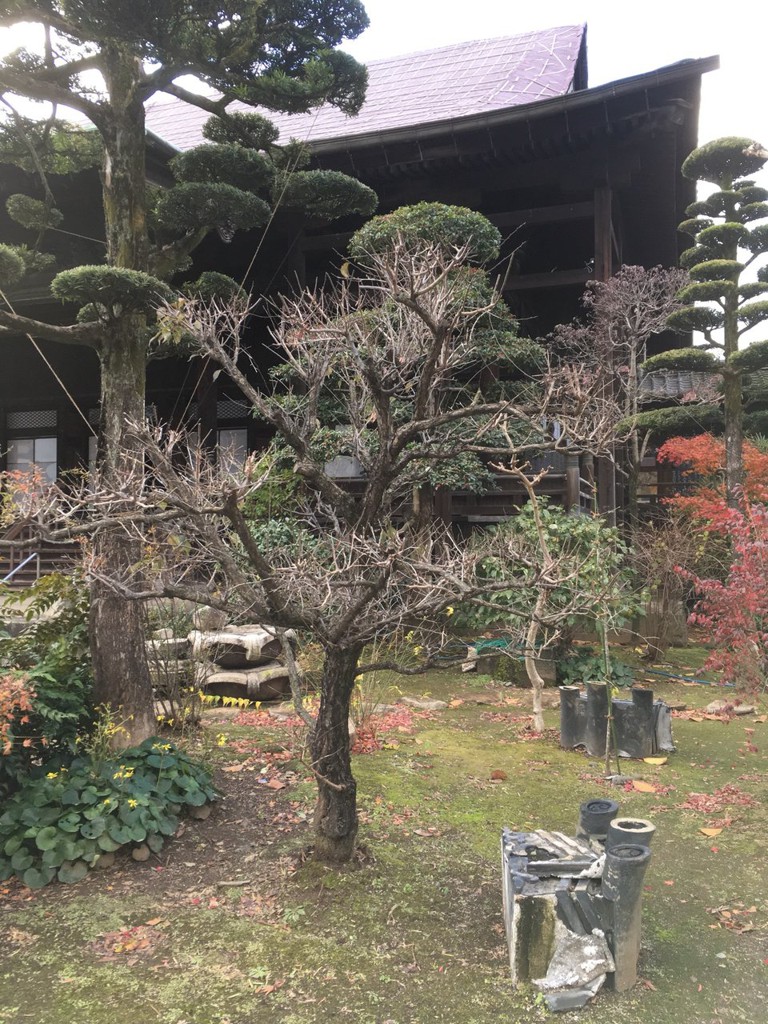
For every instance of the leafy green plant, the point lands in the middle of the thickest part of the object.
(61, 823)
(53, 655)
(585, 665)
(176, 674)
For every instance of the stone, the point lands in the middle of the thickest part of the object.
(266, 682)
(238, 646)
(167, 647)
(424, 703)
(573, 998)
(205, 618)
(141, 853)
(200, 813)
(717, 707)
(744, 709)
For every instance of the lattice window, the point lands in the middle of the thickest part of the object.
(32, 419)
(232, 409)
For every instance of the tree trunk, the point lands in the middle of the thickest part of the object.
(117, 633)
(733, 404)
(116, 624)
(534, 677)
(733, 414)
(335, 818)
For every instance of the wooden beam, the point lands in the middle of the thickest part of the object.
(603, 233)
(543, 215)
(559, 214)
(554, 279)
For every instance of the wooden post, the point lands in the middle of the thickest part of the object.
(606, 468)
(206, 394)
(572, 482)
(603, 233)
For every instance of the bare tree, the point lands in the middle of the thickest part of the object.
(396, 358)
(623, 313)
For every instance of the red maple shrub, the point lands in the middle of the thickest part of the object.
(732, 610)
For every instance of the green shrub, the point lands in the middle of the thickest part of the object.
(447, 226)
(61, 822)
(585, 665)
(53, 655)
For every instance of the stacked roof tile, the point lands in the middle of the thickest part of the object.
(420, 88)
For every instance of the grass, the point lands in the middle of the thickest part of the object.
(415, 936)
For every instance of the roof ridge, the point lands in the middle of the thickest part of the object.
(582, 26)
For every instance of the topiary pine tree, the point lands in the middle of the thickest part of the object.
(106, 59)
(726, 243)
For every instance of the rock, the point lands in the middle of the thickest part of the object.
(267, 682)
(167, 647)
(105, 860)
(205, 618)
(200, 813)
(717, 707)
(744, 709)
(424, 703)
(619, 780)
(282, 711)
(577, 969)
(141, 853)
(237, 646)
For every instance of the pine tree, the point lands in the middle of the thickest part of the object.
(726, 242)
(105, 59)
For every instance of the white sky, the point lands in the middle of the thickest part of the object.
(624, 38)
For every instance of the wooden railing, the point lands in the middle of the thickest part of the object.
(24, 558)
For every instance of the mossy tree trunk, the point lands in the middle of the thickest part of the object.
(335, 818)
(116, 624)
(733, 404)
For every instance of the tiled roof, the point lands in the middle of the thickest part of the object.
(419, 88)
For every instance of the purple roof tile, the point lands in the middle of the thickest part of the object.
(419, 88)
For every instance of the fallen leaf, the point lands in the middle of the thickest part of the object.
(499, 775)
(455, 703)
(710, 832)
(154, 920)
(233, 767)
(275, 784)
(761, 718)
(648, 984)
(669, 882)
(643, 787)
(655, 760)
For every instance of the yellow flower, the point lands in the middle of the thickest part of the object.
(449, 611)
(133, 803)
(417, 651)
(52, 775)
(107, 802)
(221, 739)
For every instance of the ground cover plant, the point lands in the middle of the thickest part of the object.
(229, 923)
(61, 823)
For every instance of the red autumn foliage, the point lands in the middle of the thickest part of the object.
(703, 458)
(710, 803)
(733, 611)
(15, 700)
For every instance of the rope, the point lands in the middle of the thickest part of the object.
(42, 355)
